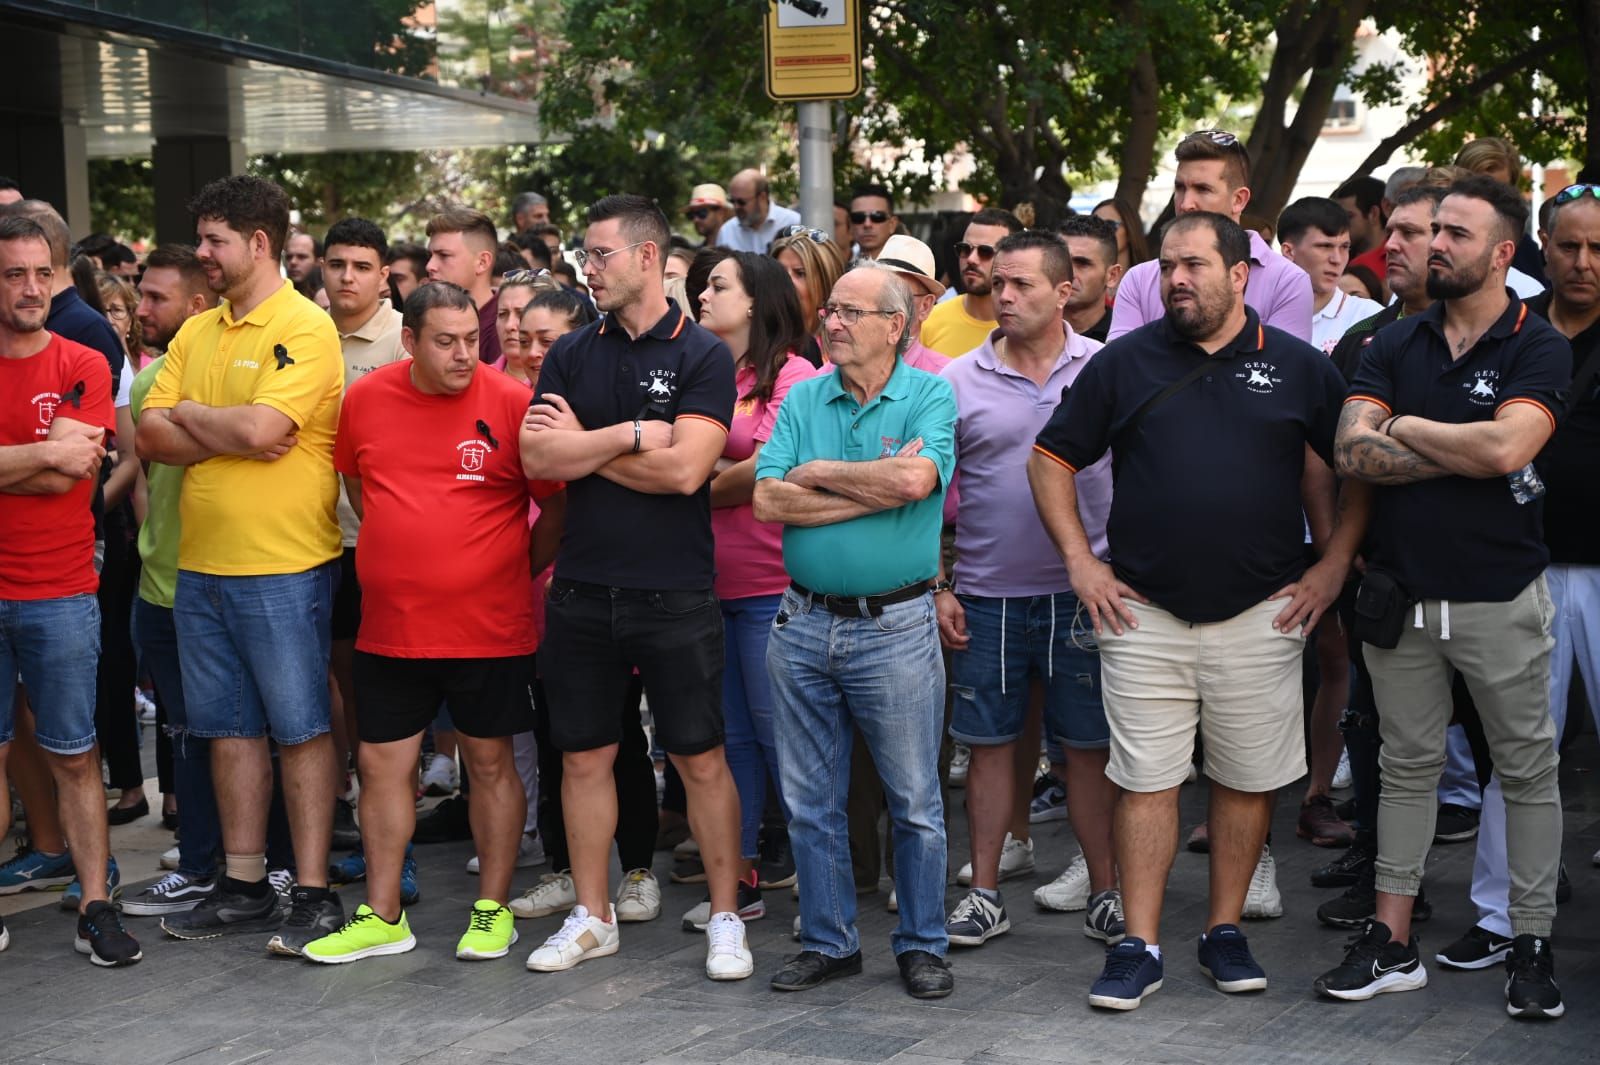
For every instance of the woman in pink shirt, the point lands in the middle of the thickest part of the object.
(750, 303)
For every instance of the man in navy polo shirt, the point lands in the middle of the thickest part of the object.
(1447, 412)
(1219, 429)
(632, 413)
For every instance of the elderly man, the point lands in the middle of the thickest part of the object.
(756, 221)
(856, 470)
(1193, 626)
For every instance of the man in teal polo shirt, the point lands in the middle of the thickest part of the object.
(856, 470)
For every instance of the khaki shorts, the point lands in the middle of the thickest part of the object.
(1238, 681)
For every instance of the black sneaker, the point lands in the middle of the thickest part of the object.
(1347, 868)
(445, 823)
(313, 913)
(102, 937)
(233, 908)
(1359, 904)
(173, 893)
(1456, 824)
(776, 869)
(346, 836)
(1479, 948)
(1372, 965)
(1563, 885)
(1531, 990)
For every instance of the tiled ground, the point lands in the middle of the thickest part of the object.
(1019, 999)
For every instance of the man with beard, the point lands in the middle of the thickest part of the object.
(958, 326)
(1456, 526)
(1202, 614)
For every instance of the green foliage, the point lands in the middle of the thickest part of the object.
(333, 185)
(122, 198)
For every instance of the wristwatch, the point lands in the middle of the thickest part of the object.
(943, 585)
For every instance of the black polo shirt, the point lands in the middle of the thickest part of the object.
(1455, 537)
(614, 535)
(1205, 507)
(1099, 330)
(1570, 462)
(74, 319)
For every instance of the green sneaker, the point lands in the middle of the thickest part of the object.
(490, 933)
(365, 935)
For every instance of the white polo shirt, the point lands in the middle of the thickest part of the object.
(1329, 325)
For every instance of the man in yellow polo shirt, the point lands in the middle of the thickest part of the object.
(248, 401)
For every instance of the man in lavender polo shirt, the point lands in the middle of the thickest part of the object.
(1214, 175)
(1011, 623)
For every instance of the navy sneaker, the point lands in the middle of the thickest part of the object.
(1130, 974)
(1225, 957)
(72, 898)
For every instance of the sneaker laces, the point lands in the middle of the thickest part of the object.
(1261, 879)
(1234, 950)
(281, 880)
(303, 911)
(968, 907)
(483, 920)
(170, 883)
(573, 927)
(633, 886)
(726, 933)
(358, 917)
(1359, 949)
(1123, 964)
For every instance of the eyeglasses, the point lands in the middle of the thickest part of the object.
(118, 312)
(861, 216)
(849, 315)
(1576, 192)
(815, 236)
(699, 214)
(985, 251)
(1220, 137)
(600, 258)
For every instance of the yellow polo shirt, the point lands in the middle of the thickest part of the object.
(241, 517)
(951, 331)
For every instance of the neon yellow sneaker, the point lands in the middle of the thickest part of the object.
(364, 935)
(490, 932)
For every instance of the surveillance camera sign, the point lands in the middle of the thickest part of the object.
(813, 49)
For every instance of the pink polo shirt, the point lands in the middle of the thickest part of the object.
(750, 553)
(1002, 548)
(1278, 289)
(921, 357)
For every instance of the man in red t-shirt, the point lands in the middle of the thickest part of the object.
(55, 411)
(427, 450)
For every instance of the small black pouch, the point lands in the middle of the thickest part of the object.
(1380, 610)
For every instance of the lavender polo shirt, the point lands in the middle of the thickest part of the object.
(1278, 289)
(1001, 545)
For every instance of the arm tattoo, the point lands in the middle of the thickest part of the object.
(1362, 452)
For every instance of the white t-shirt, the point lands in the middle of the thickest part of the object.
(1330, 324)
(736, 235)
(125, 384)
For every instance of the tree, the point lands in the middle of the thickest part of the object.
(122, 198)
(329, 186)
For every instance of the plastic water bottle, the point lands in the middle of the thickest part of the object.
(1526, 484)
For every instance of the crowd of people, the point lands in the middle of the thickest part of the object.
(730, 549)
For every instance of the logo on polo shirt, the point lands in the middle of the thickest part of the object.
(46, 403)
(1260, 377)
(661, 386)
(1482, 388)
(472, 454)
(890, 446)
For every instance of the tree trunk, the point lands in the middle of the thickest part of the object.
(1589, 26)
(1138, 155)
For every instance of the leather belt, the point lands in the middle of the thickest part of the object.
(860, 606)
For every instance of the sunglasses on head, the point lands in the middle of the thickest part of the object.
(985, 251)
(815, 236)
(861, 216)
(1220, 137)
(700, 213)
(1576, 192)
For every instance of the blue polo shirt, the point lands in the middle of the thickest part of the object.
(1462, 538)
(613, 535)
(1206, 516)
(820, 419)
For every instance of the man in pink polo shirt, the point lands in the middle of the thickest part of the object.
(1011, 622)
(1214, 175)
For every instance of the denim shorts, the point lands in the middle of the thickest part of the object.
(255, 653)
(1015, 641)
(54, 646)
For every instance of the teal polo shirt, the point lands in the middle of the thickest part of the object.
(820, 419)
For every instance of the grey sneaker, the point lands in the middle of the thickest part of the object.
(227, 911)
(173, 893)
(309, 918)
(977, 919)
(1104, 919)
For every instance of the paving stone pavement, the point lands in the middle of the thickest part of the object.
(1020, 999)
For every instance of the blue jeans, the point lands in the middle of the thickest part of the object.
(747, 711)
(255, 653)
(885, 676)
(199, 827)
(54, 645)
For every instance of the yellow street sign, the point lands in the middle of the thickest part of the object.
(813, 49)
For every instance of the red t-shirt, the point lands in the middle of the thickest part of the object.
(1376, 260)
(47, 541)
(443, 551)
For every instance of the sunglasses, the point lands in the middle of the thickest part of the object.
(1576, 192)
(699, 214)
(815, 236)
(1219, 137)
(861, 216)
(985, 251)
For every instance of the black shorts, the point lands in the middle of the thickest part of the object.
(346, 619)
(596, 636)
(396, 698)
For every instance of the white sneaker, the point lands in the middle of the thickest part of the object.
(169, 859)
(1263, 900)
(960, 761)
(530, 852)
(1341, 776)
(146, 706)
(797, 927)
(1067, 892)
(580, 938)
(893, 905)
(552, 894)
(440, 777)
(687, 847)
(1016, 859)
(727, 955)
(282, 880)
(639, 897)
